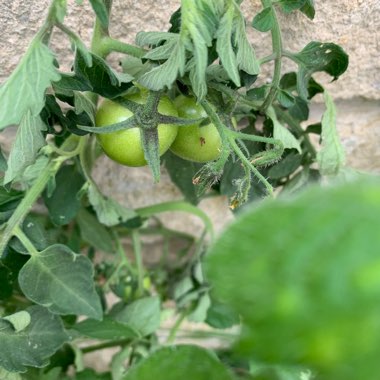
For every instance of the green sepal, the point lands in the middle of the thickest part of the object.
(123, 125)
(149, 139)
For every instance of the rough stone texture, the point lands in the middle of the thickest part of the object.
(353, 24)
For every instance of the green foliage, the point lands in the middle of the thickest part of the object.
(331, 157)
(176, 362)
(33, 75)
(142, 315)
(318, 56)
(63, 203)
(303, 290)
(264, 21)
(34, 344)
(29, 140)
(106, 329)
(61, 280)
(76, 268)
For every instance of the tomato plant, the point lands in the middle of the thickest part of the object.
(125, 146)
(195, 143)
(75, 278)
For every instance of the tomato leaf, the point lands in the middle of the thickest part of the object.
(291, 5)
(196, 363)
(197, 28)
(84, 104)
(264, 21)
(285, 98)
(109, 212)
(29, 140)
(245, 55)
(233, 47)
(101, 11)
(283, 134)
(6, 375)
(33, 345)
(286, 166)
(19, 320)
(165, 74)
(221, 316)
(308, 9)
(93, 232)
(142, 315)
(63, 204)
(181, 172)
(317, 56)
(303, 291)
(105, 329)
(224, 45)
(331, 157)
(61, 280)
(24, 90)
(99, 77)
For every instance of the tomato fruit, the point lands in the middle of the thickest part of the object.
(195, 143)
(125, 147)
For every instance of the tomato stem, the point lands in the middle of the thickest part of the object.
(110, 45)
(174, 330)
(31, 196)
(247, 163)
(277, 51)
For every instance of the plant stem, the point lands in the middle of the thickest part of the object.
(277, 50)
(67, 31)
(216, 121)
(19, 233)
(174, 330)
(101, 346)
(27, 202)
(246, 162)
(34, 192)
(110, 44)
(245, 136)
(147, 212)
(136, 241)
(268, 58)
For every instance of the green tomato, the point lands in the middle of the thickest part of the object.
(195, 143)
(125, 147)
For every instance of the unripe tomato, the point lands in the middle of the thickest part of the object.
(125, 147)
(195, 143)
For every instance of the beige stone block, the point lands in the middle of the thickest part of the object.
(354, 24)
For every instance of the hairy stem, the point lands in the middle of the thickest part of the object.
(34, 193)
(27, 202)
(110, 44)
(247, 163)
(277, 50)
